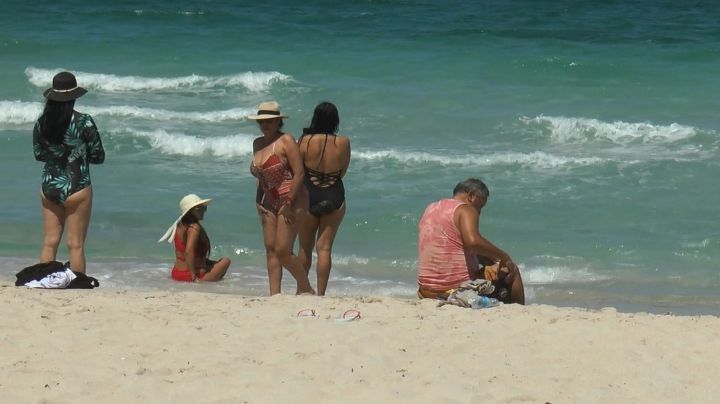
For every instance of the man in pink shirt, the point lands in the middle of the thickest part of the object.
(450, 247)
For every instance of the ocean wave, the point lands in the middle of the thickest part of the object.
(166, 115)
(20, 112)
(348, 259)
(349, 286)
(252, 81)
(535, 159)
(705, 244)
(186, 145)
(241, 145)
(179, 12)
(581, 130)
(543, 275)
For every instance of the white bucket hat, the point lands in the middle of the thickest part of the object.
(186, 204)
(267, 110)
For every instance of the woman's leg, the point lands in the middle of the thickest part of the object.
(216, 270)
(78, 208)
(285, 239)
(329, 225)
(53, 222)
(306, 235)
(517, 290)
(269, 221)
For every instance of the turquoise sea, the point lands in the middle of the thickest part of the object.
(595, 125)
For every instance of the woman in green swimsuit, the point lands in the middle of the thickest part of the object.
(67, 142)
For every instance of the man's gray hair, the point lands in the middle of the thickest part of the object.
(472, 185)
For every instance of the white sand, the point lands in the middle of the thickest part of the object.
(109, 346)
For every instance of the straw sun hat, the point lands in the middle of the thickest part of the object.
(64, 88)
(186, 204)
(267, 110)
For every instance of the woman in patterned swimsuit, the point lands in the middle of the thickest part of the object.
(67, 142)
(282, 204)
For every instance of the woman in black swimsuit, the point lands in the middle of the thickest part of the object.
(326, 157)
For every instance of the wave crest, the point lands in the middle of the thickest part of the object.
(535, 159)
(20, 112)
(545, 275)
(252, 81)
(186, 145)
(580, 130)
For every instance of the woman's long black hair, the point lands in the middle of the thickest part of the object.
(55, 120)
(190, 219)
(325, 119)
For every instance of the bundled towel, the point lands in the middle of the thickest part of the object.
(54, 275)
(55, 280)
(38, 271)
(469, 291)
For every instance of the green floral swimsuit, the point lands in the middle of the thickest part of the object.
(67, 165)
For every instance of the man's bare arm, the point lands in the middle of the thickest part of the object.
(467, 223)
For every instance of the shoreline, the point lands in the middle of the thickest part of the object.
(182, 346)
(252, 282)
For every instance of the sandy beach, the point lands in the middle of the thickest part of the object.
(117, 346)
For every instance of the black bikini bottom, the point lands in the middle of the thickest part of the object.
(325, 200)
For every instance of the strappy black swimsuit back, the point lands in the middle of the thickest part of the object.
(327, 192)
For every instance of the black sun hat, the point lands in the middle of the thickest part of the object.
(64, 88)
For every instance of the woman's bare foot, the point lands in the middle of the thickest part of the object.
(306, 292)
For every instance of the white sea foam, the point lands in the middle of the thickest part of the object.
(358, 287)
(540, 275)
(165, 115)
(20, 112)
(180, 12)
(252, 81)
(698, 244)
(581, 130)
(186, 145)
(537, 159)
(348, 259)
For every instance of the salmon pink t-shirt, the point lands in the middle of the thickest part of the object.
(443, 263)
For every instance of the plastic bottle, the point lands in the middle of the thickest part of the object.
(483, 302)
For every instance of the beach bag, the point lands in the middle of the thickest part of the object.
(83, 281)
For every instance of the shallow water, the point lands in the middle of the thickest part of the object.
(593, 125)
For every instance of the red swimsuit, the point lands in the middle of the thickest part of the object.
(184, 275)
(275, 179)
